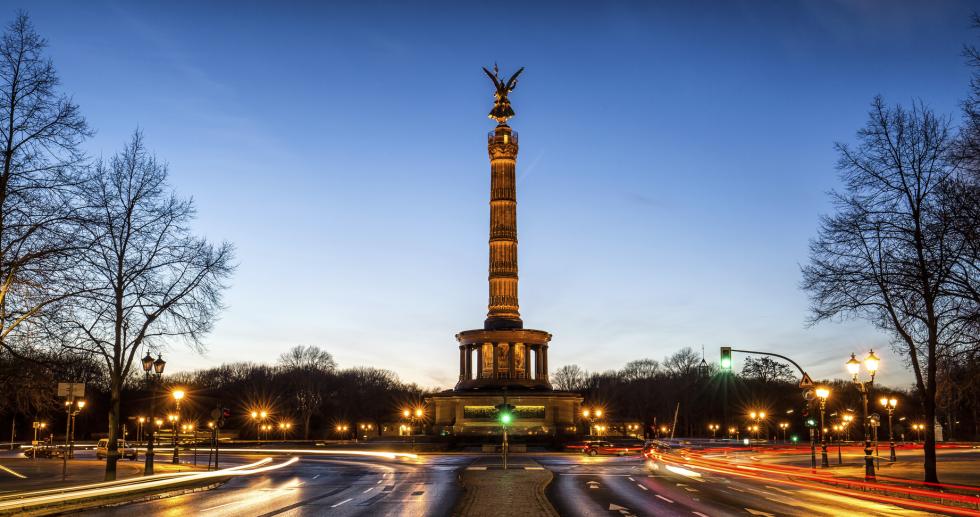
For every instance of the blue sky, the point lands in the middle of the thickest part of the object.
(674, 161)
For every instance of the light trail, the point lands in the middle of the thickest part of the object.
(329, 452)
(113, 488)
(820, 486)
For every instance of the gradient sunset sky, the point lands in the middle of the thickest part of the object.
(674, 162)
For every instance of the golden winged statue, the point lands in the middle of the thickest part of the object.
(502, 111)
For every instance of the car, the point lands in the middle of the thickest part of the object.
(44, 451)
(597, 447)
(125, 450)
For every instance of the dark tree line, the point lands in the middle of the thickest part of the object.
(649, 392)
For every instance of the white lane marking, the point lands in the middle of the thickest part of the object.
(665, 499)
(219, 506)
(368, 490)
(592, 484)
(642, 487)
(699, 514)
(316, 476)
(342, 502)
(476, 468)
(759, 513)
(379, 481)
(533, 468)
(631, 479)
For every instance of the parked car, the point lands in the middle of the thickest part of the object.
(125, 450)
(44, 451)
(597, 447)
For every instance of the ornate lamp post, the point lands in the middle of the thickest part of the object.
(758, 416)
(733, 431)
(822, 393)
(156, 367)
(714, 429)
(890, 404)
(784, 426)
(178, 396)
(37, 425)
(591, 415)
(871, 363)
(79, 405)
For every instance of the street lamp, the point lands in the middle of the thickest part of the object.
(784, 426)
(733, 431)
(714, 429)
(871, 363)
(822, 393)
(37, 425)
(78, 406)
(890, 404)
(152, 381)
(758, 416)
(592, 415)
(178, 395)
(839, 428)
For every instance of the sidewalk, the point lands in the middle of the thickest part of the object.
(490, 491)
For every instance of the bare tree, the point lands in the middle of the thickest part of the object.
(888, 253)
(767, 370)
(40, 134)
(149, 279)
(640, 369)
(569, 378)
(682, 363)
(305, 368)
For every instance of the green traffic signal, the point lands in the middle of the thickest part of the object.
(505, 418)
(726, 358)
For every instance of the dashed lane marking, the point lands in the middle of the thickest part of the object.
(663, 498)
(699, 514)
(342, 502)
(631, 479)
(642, 487)
(368, 490)
(379, 481)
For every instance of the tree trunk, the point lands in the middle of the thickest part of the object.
(112, 455)
(929, 448)
(306, 425)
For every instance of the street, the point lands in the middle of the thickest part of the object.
(322, 484)
(582, 486)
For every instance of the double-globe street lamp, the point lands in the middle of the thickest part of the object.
(758, 416)
(178, 396)
(73, 407)
(156, 366)
(784, 426)
(591, 415)
(412, 416)
(890, 404)
(871, 363)
(714, 429)
(822, 394)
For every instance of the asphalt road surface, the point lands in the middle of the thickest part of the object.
(625, 486)
(321, 485)
(583, 486)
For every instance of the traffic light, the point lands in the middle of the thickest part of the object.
(811, 422)
(726, 358)
(505, 413)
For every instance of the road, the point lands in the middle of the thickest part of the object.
(594, 486)
(318, 485)
(582, 486)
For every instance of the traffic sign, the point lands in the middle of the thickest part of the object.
(72, 389)
(806, 382)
